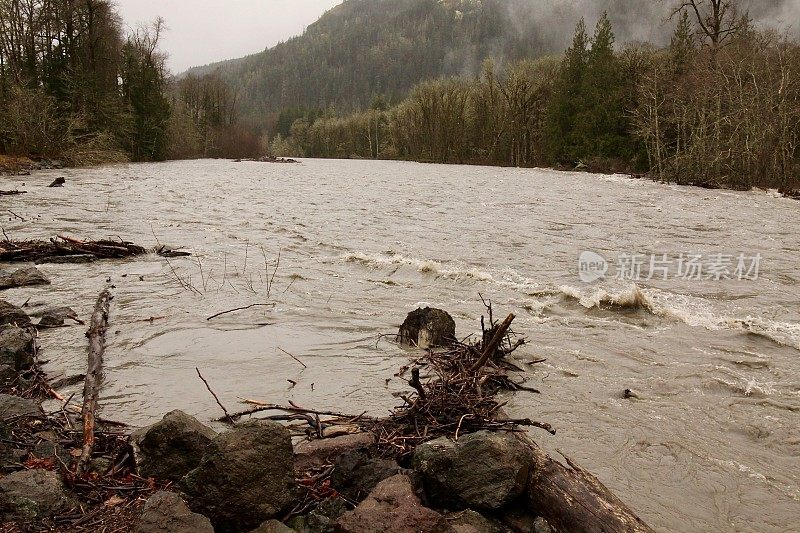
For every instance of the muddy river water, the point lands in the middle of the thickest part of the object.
(711, 440)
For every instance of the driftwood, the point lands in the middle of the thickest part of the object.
(459, 396)
(91, 385)
(572, 499)
(63, 246)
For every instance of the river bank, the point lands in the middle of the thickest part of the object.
(415, 470)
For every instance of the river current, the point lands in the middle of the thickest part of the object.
(710, 440)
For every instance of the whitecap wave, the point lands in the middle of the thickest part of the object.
(691, 310)
(507, 278)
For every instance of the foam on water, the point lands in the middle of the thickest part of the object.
(507, 278)
(691, 310)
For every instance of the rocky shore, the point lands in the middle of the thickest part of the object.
(446, 461)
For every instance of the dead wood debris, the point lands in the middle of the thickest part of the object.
(62, 246)
(454, 392)
(103, 476)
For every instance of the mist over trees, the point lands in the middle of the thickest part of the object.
(719, 106)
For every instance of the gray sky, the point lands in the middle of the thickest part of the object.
(204, 31)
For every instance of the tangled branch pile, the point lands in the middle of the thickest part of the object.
(457, 396)
(61, 246)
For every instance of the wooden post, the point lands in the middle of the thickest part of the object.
(94, 374)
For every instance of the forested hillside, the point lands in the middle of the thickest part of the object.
(367, 47)
(719, 106)
(364, 48)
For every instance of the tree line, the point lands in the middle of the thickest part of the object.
(718, 107)
(75, 86)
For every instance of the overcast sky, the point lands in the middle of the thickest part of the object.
(204, 31)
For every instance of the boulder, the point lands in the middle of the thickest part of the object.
(23, 277)
(58, 182)
(245, 477)
(166, 512)
(11, 314)
(17, 347)
(55, 317)
(427, 328)
(273, 526)
(470, 521)
(16, 407)
(482, 470)
(172, 447)
(322, 519)
(320, 452)
(355, 474)
(7, 375)
(392, 508)
(33, 495)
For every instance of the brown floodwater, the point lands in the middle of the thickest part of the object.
(710, 443)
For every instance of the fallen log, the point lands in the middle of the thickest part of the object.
(63, 247)
(91, 385)
(572, 499)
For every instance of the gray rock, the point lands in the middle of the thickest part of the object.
(540, 525)
(24, 277)
(273, 526)
(355, 474)
(166, 512)
(7, 375)
(427, 328)
(56, 317)
(322, 519)
(481, 471)
(245, 477)
(11, 314)
(10, 458)
(15, 407)
(33, 495)
(393, 508)
(17, 347)
(470, 521)
(172, 447)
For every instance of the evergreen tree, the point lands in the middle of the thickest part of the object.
(682, 44)
(143, 85)
(602, 128)
(568, 98)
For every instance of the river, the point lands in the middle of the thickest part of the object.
(711, 440)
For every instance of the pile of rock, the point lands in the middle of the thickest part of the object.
(245, 480)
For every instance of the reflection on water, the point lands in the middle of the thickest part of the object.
(713, 440)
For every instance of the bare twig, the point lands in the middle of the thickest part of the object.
(240, 309)
(293, 357)
(227, 416)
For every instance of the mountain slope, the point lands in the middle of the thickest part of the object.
(367, 47)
